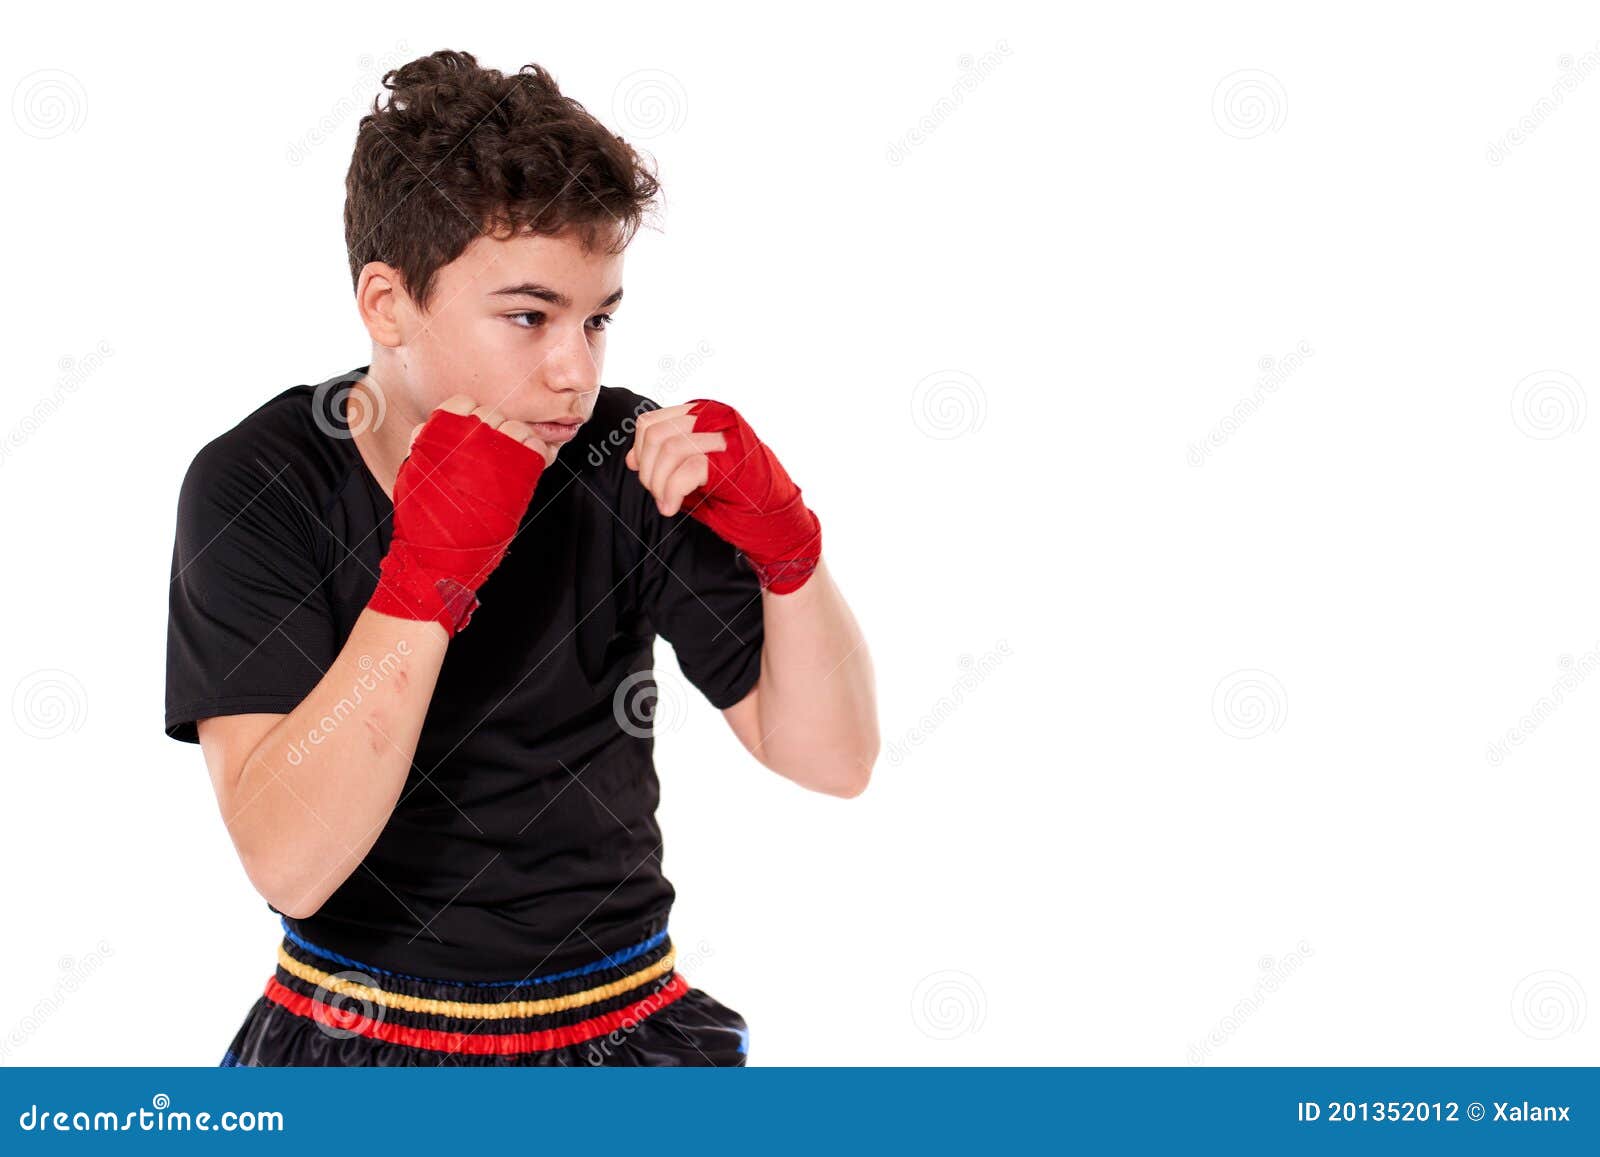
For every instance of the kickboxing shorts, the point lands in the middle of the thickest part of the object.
(629, 1008)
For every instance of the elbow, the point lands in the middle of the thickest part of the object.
(842, 768)
(300, 905)
(855, 774)
(296, 911)
(286, 890)
(291, 875)
(850, 788)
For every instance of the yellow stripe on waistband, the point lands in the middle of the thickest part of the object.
(488, 1010)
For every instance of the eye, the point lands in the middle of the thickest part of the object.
(605, 320)
(535, 314)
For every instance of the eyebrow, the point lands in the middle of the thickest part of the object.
(546, 294)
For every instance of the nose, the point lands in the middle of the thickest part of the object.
(571, 366)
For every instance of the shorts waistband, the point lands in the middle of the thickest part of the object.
(347, 998)
(620, 956)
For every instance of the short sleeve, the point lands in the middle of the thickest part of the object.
(250, 624)
(704, 599)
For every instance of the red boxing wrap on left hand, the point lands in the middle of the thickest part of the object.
(752, 503)
(459, 498)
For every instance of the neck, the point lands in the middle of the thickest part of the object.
(381, 424)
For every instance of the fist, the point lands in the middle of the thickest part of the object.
(670, 458)
(704, 450)
(458, 499)
(495, 420)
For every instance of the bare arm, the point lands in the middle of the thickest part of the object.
(304, 795)
(813, 714)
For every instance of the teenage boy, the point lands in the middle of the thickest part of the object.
(413, 611)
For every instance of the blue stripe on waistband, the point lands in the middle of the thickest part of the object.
(621, 956)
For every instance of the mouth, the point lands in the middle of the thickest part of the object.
(557, 433)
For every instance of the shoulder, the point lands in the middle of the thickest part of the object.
(293, 445)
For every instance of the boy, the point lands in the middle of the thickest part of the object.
(413, 611)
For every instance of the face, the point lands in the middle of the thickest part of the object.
(518, 325)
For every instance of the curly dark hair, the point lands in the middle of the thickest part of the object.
(460, 151)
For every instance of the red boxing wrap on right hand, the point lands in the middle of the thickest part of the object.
(749, 499)
(458, 500)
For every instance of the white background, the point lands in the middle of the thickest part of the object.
(1224, 792)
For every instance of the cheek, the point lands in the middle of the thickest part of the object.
(456, 357)
(436, 372)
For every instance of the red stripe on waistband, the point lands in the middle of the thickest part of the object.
(476, 1042)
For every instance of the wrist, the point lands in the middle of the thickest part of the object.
(783, 564)
(787, 576)
(422, 584)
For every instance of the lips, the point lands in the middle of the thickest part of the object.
(564, 431)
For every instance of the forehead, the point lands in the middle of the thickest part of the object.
(560, 262)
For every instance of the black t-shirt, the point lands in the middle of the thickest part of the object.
(525, 837)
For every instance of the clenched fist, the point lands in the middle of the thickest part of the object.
(458, 500)
(703, 457)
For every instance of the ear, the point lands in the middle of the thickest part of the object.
(380, 298)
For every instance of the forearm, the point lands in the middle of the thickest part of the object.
(816, 700)
(813, 715)
(318, 788)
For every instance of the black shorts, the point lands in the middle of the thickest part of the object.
(629, 1008)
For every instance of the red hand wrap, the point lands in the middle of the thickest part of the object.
(458, 499)
(752, 503)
